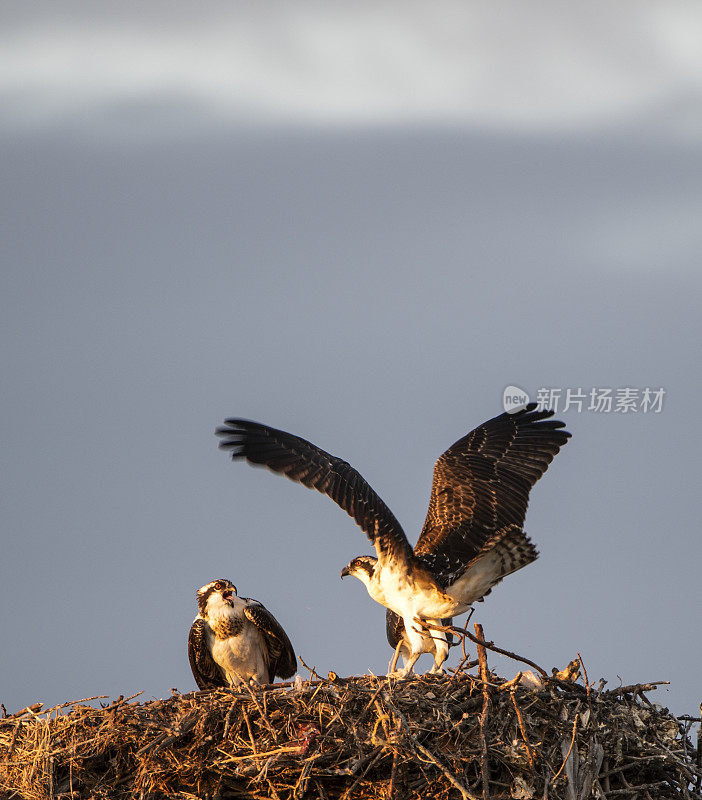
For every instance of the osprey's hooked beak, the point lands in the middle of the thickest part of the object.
(345, 571)
(227, 596)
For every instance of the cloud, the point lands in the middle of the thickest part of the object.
(518, 65)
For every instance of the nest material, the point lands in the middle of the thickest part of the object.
(362, 737)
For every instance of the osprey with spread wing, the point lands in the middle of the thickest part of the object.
(472, 536)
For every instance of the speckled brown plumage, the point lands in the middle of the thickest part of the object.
(281, 656)
(305, 463)
(481, 485)
(205, 671)
(224, 627)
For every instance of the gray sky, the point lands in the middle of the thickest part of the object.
(359, 224)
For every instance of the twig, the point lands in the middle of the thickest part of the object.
(604, 776)
(484, 677)
(33, 709)
(75, 702)
(393, 773)
(572, 742)
(370, 703)
(15, 733)
(634, 790)
(182, 726)
(248, 728)
(228, 718)
(393, 769)
(509, 686)
(608, 773)
(463, 638)
(587, 682)
(488, 645)
(311, 670)
(520, 720)
(262, 713)
(50, 770)
(264, 754)
(373, 758)
(465, 662)
(301, 786)
(635, 688)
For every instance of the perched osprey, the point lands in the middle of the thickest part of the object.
(472, 536)
(236, 640)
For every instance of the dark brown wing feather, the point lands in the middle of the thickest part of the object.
(205, 671)
(394, 627)
(282, 661)
(481, 485)
(305, 463)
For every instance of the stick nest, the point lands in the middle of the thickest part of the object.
(361, 737)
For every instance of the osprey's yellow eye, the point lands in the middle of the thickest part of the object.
(217, 586)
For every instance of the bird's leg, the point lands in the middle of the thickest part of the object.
(416, 643)
(439, 643)
(440, 656)
(409, 665)
(393, 662)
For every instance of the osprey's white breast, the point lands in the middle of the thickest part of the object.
(242, 656)
(399, 590)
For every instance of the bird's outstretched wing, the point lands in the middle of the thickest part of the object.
(481, 485)
(282, 660)
(205, 671)
(305, 463)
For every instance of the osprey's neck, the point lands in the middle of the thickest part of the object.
(218, 609)
(364, 577)
(371, 580)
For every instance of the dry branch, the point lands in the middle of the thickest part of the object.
(485, 679)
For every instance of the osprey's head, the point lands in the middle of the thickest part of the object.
(215, 595)
(361, 567)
